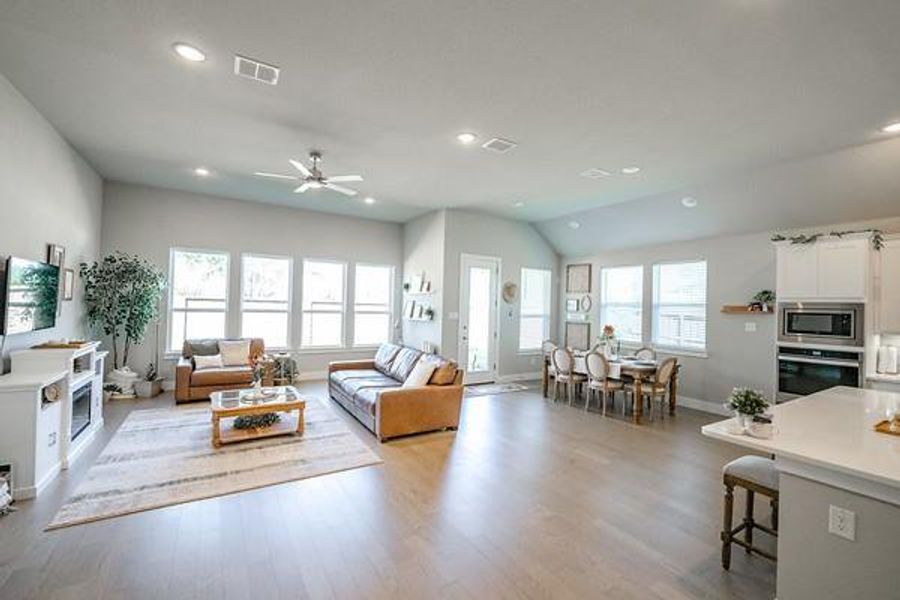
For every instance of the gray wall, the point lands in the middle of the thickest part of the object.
(517, 245)
(815, 564)
(48, 194)
(149, 221)
(423, 252)
(737, 268)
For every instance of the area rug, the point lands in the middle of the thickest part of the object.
(489, 389)
(161, 457)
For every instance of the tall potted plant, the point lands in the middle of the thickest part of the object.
(121, 297)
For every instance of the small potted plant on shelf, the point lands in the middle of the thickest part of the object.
(762, 300)
(150, 385)
(747, 404)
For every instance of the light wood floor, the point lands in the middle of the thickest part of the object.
(528, 500)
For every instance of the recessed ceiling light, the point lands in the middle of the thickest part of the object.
(518, 204)
(574, 224)
(689, 202)
(466, 137)
(201, 172)
(892, 128)
(630, 170)
(369, 200)
(188, 52)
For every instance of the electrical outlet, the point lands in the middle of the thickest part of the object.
(842, 522)
(750, 327)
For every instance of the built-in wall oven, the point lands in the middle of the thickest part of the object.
(804, 371)
(817, 323)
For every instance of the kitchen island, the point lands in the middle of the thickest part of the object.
(829, 455)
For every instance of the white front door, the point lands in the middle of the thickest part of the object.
(478, 317)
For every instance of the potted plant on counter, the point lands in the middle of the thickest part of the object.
(747, 404)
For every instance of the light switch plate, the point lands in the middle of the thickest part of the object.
(750, 327)
(842, 522)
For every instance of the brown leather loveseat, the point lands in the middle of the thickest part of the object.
(192, 384)
(371, 391)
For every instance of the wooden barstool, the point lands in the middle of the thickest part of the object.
(758, 476)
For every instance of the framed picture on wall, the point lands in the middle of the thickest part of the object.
(578, 279)
(56, 255)
(578, 335)
(68, 284)
(572, 305)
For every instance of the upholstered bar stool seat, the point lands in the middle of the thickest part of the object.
(757, 475)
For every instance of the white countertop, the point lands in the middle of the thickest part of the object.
(831, 431)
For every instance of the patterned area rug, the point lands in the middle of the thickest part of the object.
(161, 457)
(489, 389)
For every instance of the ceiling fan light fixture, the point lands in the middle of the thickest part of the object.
(314, 185)
(188, 52)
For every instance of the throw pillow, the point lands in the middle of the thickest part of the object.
(420, 375)
(444, 370)
(202, 361)
(235, 353)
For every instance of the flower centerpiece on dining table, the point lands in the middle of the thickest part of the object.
(607, 339)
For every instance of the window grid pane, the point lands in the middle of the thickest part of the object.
(199, 296)
(621, 301)
(372, 306)
(323, 304)
(679, 305)
(266, 299)
(534, 314)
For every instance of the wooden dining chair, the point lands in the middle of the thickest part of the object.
(564, 365)
(645, 353)
(547, 348)
(599, 382)
(658, 387)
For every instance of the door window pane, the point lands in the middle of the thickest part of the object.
(479, 319)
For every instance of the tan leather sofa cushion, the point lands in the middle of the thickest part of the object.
(385, 356)
(444, 371)
(222, 376)
(404, 363)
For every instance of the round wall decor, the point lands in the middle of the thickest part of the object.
(510, 292)
(586, 303)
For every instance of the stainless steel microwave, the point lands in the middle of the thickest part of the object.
(821, 323)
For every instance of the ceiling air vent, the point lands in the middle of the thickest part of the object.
(254, 69)
(499, 145)
(595, 173)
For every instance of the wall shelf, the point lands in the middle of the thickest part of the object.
(745, 309)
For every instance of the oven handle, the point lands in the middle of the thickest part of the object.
(820, 361)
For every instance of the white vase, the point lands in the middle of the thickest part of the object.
(125, 378)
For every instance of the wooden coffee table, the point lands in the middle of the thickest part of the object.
(235, 403)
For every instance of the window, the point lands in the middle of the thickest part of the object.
(198, 295)
(266, 299)
(534, 317)
(372, 314)
(679, 305)
(621, 301)
(323, 304)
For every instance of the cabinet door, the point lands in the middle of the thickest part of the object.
(843, 269)
(890, 287)
(796, 269)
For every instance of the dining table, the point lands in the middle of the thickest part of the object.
(624, 368)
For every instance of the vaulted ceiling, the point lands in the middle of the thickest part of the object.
(693, 92)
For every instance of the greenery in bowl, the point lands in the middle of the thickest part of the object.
(745, 401)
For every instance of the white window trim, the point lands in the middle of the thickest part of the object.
(290, 299)
(638, 344)
(548, 315)
(688, 351)
(170, 312)
(343, 312)
(351, 307)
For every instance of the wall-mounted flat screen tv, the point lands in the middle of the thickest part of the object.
(30, 296)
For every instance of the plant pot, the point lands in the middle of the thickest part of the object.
(148, 389)
(125, 378)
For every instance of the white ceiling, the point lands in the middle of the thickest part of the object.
(692, 91)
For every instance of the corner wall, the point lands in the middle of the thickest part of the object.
(48, 194)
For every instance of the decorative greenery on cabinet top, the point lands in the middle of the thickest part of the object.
(877, 237)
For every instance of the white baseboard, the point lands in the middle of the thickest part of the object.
(715, 408)
(312, 376)
(513, 377)
(168, 385)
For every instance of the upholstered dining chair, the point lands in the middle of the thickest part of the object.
(564, 365)
(547, 348)
(597, 367)
(645, 353)
(658, 387)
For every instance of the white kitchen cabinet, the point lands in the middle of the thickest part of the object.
(890, 287)
(797, 270)
(836, 269)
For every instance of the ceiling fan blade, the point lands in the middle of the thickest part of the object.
(302, 188)
(340, 189)
(275, 175)
(301, 167)
(345, 178)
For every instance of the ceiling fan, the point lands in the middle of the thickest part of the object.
(313, 179)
